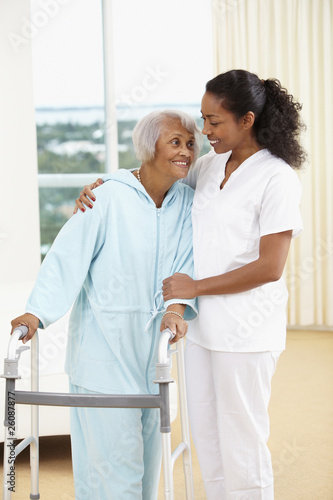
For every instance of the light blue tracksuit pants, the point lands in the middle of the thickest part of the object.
(116, 452)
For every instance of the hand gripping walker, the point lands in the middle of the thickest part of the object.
(35, 398)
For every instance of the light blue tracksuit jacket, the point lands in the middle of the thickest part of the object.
(110, 262)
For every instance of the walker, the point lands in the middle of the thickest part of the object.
(35, 398)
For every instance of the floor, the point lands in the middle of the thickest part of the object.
(301, 440)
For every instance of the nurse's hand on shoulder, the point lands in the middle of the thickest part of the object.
(86, 196)
(28, 320)
(179, 285)
(177, 325)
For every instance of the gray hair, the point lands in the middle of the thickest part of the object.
(148, 129)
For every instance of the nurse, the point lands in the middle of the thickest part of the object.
(111, 263)
(245, 213)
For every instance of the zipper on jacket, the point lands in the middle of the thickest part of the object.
(154, 334)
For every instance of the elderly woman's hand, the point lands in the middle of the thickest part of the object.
(28, 320)
(176, 324)
(86, 196)
(179, 286)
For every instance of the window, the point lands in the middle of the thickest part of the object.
(67, 47)
(159, 56)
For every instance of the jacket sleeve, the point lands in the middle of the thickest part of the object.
(183, 262)
(66, 265)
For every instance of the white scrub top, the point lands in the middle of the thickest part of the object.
(261, 197)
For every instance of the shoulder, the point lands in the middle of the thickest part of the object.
(104, 191)
(273, 166)
(209, 158)
(184, 193)
(116, 191)
(178, 201)
(184, 190)
(280, 176)
(203, 164)
(202, 159)
(114, 181)
(212, 162)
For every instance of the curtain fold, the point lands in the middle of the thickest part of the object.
(292, 40)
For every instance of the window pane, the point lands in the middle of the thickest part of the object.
(56, 207)
(69, 99)
(70, 148)
(164, 63)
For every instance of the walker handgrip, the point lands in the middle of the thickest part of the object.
(166, 336)
(171, 335)
(17, 334)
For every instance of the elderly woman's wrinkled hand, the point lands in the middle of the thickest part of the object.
(177, 325)
(179, 286)
(28, 320)
(86, 196)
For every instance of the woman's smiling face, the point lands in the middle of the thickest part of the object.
(174, 152)
(223, 130)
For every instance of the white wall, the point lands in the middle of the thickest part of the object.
(19, 215)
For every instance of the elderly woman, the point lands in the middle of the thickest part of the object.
(111, 263)
(245, 213)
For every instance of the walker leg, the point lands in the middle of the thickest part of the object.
(34, 455)
(187, 459)
(6, 494)
(9, 446)
(34, 446)
(167, 467)
(166, 441)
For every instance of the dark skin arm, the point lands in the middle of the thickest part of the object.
(28, 320)
(177, 325)
(273, 252)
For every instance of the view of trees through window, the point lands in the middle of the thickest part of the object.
(65, 148)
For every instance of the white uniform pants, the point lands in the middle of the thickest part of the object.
(228, 397)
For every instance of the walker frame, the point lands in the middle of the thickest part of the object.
(36, 398)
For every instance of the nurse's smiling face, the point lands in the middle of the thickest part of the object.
(224, 131)
(174, 152)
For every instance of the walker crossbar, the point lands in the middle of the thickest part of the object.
(23, 444)
(178, 451)
(36, 398)
(87, 400)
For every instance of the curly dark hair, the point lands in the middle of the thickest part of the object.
(277, 124)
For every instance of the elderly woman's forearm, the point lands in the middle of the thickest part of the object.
(178, 308)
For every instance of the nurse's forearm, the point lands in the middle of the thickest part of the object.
(239, 280)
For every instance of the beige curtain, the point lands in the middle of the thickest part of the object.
(292, 40)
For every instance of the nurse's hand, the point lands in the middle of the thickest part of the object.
(179, 285)
(86, 196)
(28, 320)
(177, 325)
